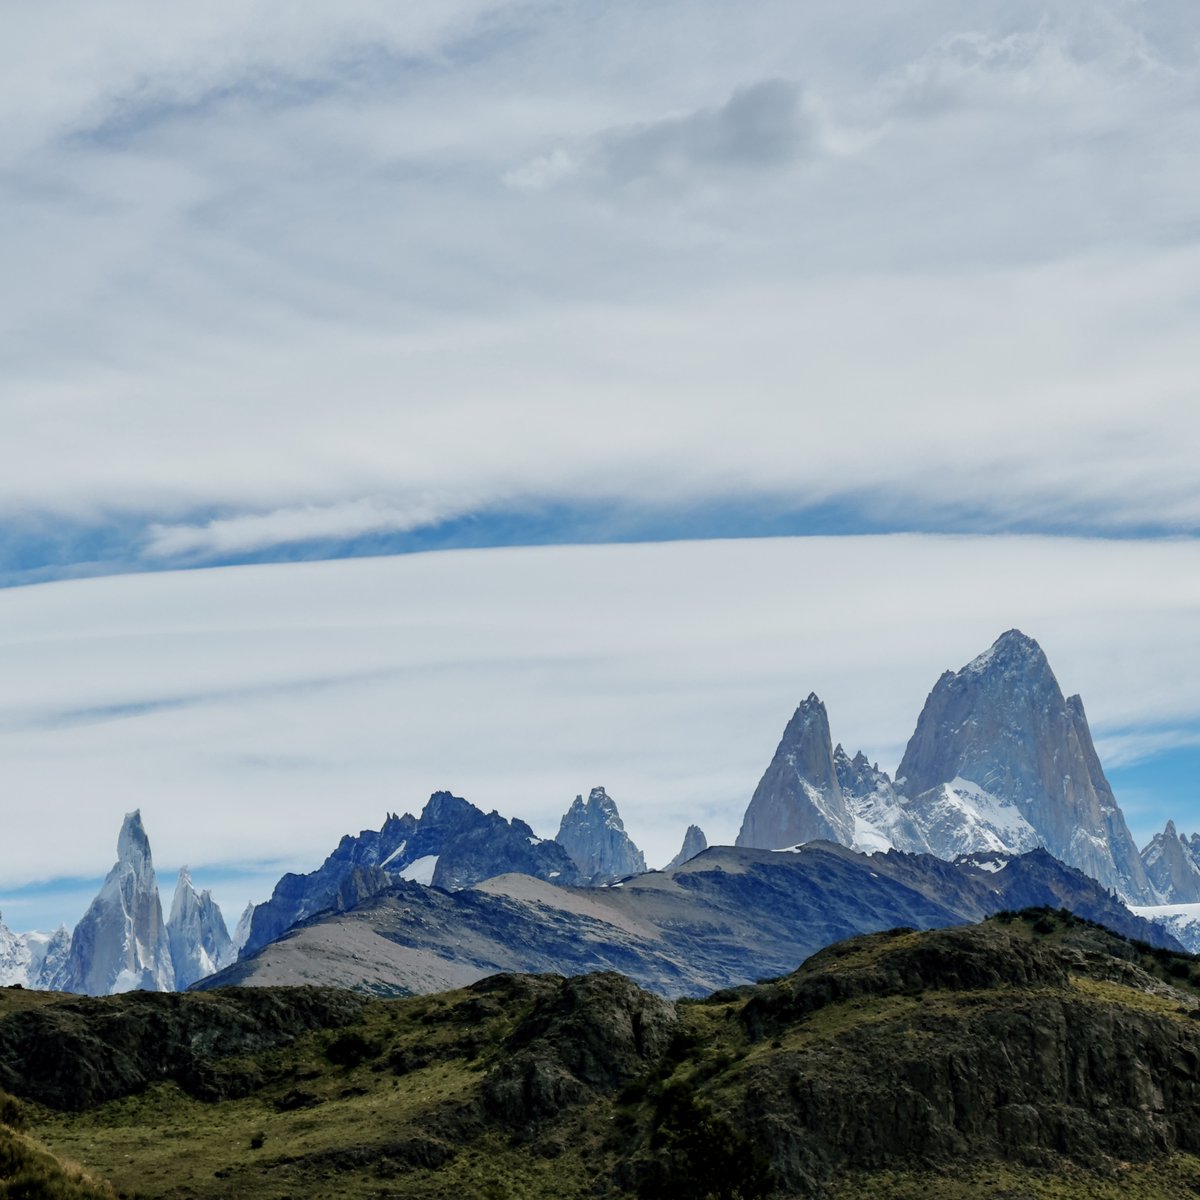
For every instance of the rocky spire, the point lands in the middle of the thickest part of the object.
(799, 798)
(1171, 867)
(1001, 761)
(200, 942)
(694, 842)
(593, 835)
(121, 943)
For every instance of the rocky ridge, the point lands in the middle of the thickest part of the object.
(593, 835)
(1000, 762)
(121, 942)
(1172, 865)
(200, 943)
(694, 842)
(725, 917)
(452, 845)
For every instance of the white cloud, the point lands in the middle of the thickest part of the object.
(243, 534)
(261, 712)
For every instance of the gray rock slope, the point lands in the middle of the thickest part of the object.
(120, 944)
(694, 842)
(1001, 760)
(593, 835)
(453, 845)
(726, 917)
(799, 798)
(1172, 864)
(199, 940)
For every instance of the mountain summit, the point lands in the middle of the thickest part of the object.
(121, 944)
(799, 798)
(1001, 760)
(593, 835)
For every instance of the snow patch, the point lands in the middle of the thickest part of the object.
(421, 870)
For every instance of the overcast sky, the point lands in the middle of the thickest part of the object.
(282, 283)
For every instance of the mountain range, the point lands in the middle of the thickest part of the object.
(1000, 767)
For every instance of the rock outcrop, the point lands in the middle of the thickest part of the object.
(694, 842)
(881, 822)
(1001, 760)
(799, 798)
(453, 845)
(593, 835)
(120, 944)
(200, 942)
(1172, 865)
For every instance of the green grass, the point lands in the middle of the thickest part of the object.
(377, 1108)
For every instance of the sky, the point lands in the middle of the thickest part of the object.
(650, 364)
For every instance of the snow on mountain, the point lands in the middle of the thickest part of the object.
(880, 822)
(14, 957)
(121, 943)
(452, 845)
(199, 941)
(593, 835)
(1182, 921)
(799, 798)
(1001, 760)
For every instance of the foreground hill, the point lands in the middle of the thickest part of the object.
(725, 917)
(1032, 1055)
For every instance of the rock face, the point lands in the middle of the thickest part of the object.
(1099, 1073)
(78, 1053)
(1173, 866)
(694, 842)
(14, 958)
(799, 798)
(594, 837)
(452, 845)
(1000, 760)
(200, 943)
(48, 954)
(881, 822)
(121, 943)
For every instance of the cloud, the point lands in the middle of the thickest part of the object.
(264, 276)
(312, 522)
(759, 127)
(260, 712)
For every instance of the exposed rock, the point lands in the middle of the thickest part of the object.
(121, 944)
(79, 1053)
(799, 798)
(586, 1036)
(991, 1054)
(1172, 866)
(48, 953)
(453, 845)
(694, 842)
(200, 943)
(594, 837)
(14, 958)
(880, 820)
(1000, 760)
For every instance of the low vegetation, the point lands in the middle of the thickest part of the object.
(1034, 1056)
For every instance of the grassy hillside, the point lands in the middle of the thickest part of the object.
(1031, 1056)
